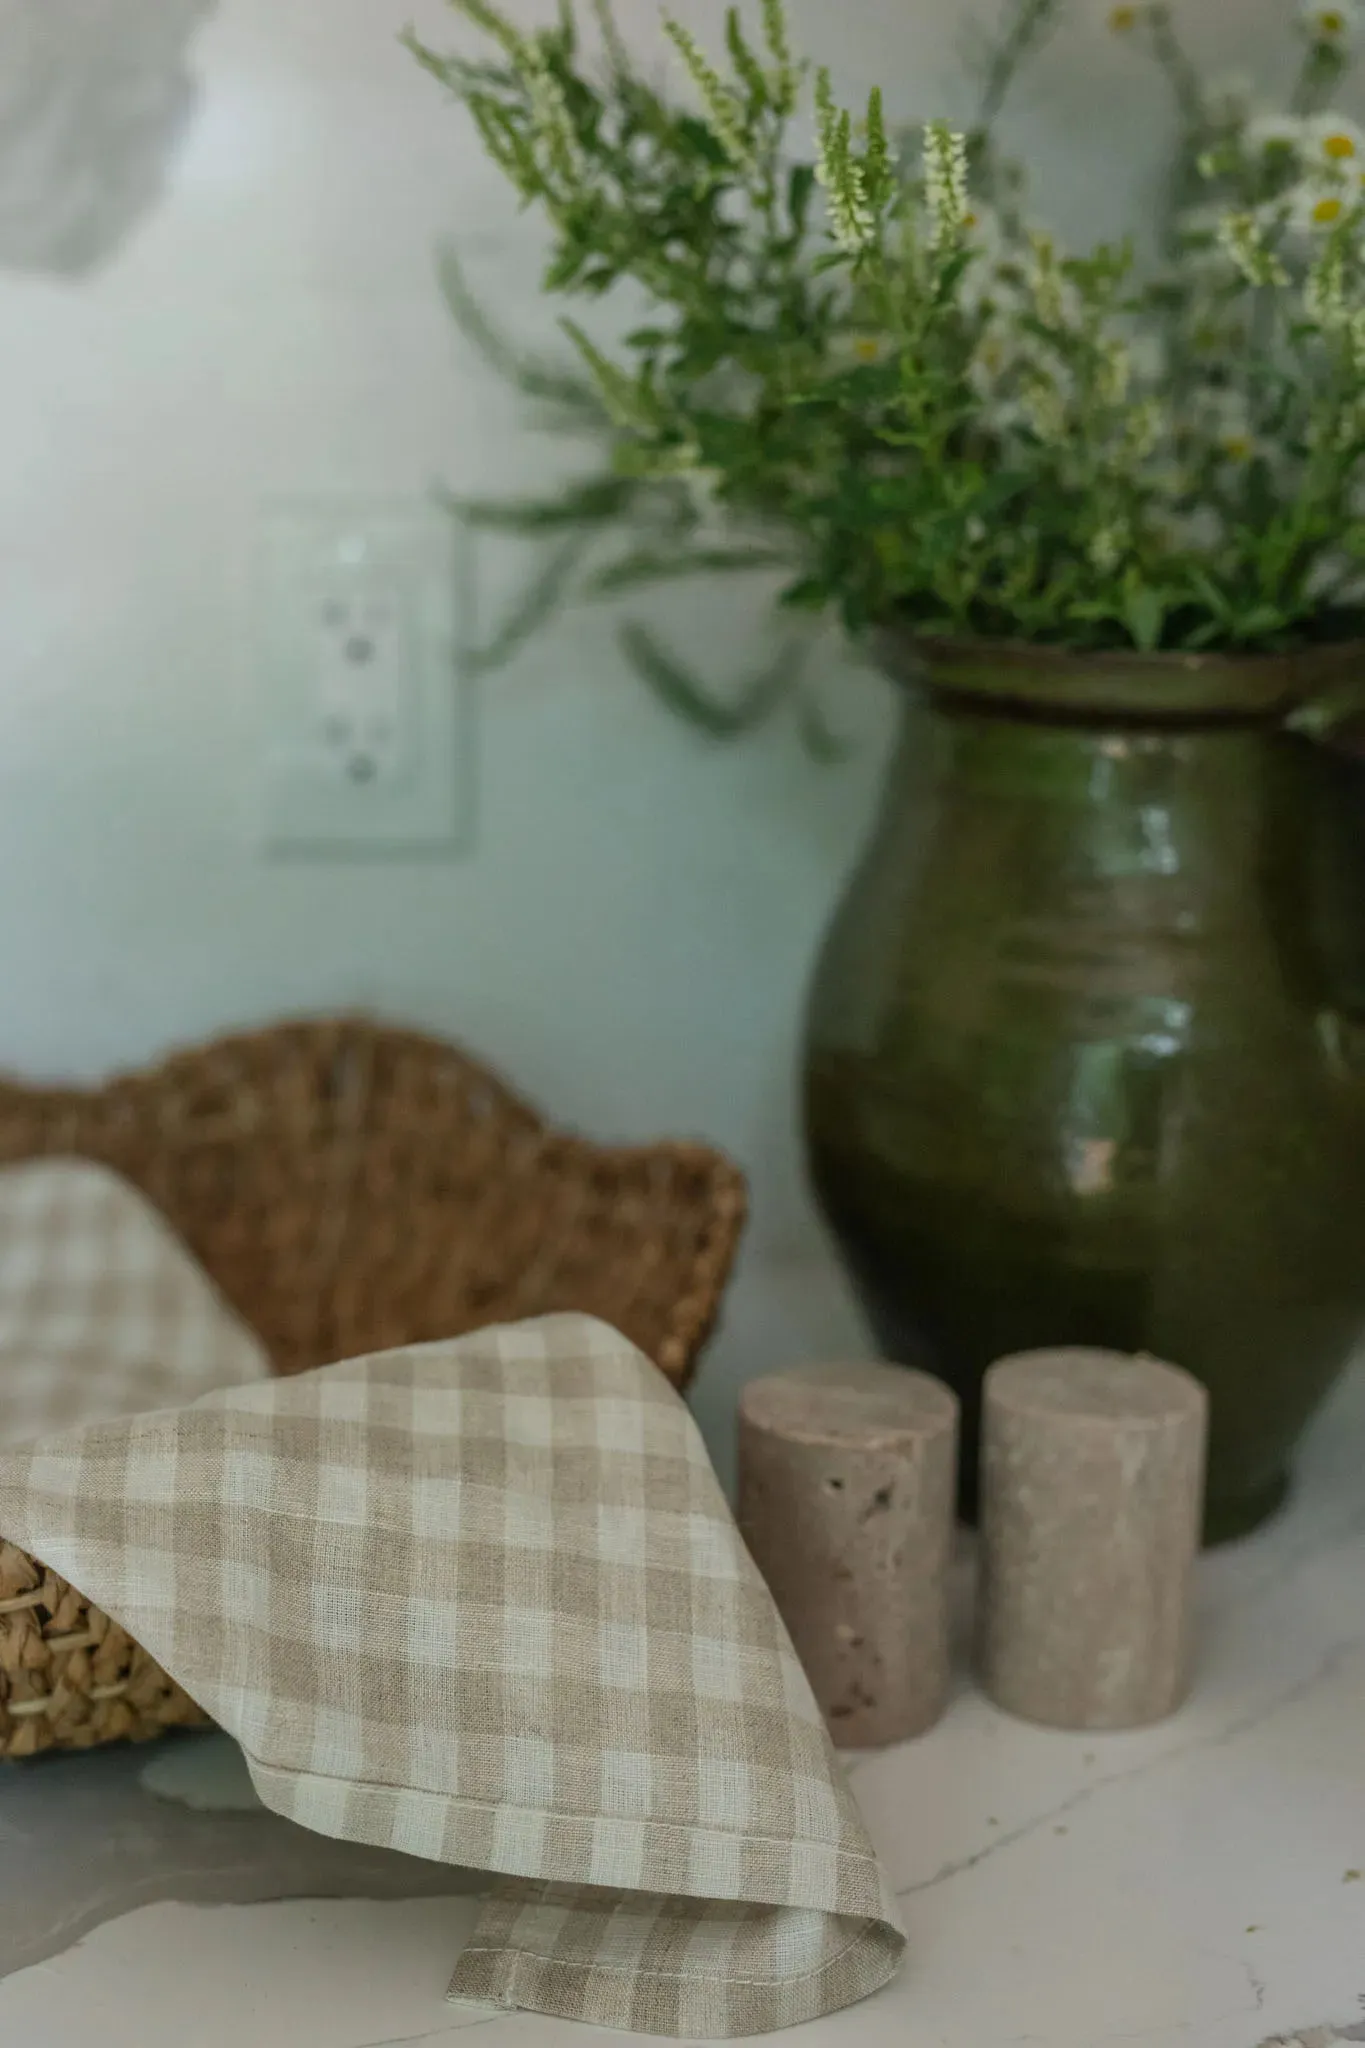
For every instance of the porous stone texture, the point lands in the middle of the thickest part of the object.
(847, 1480)
(1092, 1485)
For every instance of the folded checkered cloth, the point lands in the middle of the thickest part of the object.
(102, 1310)
(483, 1601)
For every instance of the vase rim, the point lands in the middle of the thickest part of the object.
(1124, 682)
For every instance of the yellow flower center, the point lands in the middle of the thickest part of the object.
(867, 348)
(1340, 148)
(1238, 447)
(1326, 211)
(1329, 21)
(1123, 20)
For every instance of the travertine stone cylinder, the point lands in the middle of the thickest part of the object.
(847, 1479)
(1092, 1489)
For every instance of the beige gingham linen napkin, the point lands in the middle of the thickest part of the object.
(483, 1601)
(102, 1310)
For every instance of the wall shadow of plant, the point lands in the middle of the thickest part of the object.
(608, 533)
(95, 96)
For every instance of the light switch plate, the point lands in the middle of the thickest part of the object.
(362, 609)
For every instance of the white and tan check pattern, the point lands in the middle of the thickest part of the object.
(102, 1310)
(483, 1601)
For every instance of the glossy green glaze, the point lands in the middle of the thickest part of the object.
(1082, 1063)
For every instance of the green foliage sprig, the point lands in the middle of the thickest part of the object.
(871, 367)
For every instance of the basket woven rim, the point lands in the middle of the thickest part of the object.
(357, 1096)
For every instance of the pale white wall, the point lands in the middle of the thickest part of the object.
(631, 936)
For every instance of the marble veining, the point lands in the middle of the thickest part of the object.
(85, 1839)
(1197, 1884)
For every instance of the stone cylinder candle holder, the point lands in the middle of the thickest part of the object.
(847, 1480)
(1092, 1489)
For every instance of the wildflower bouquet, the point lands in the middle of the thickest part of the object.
(869, 366)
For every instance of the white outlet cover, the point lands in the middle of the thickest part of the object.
(362, 608)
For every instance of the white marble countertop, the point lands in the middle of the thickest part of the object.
(1199, 1885)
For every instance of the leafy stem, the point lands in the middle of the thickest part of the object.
(866, 371)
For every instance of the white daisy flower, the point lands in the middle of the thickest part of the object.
(1215, 338)
(1006, 418)
(983, 233)
(1283, 135)
(996, 355)
(860, 347)
(1314, 210)
(1335, 22)
(1237, 446)
(1223, 417)
(1333, 144)
(1327, 145)
(982, 229)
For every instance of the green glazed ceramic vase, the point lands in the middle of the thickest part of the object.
(1086, 1046)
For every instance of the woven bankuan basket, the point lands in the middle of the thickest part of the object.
(351, 1187)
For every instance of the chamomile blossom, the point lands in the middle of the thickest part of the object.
(1333, 145)
(994, 274)
(1175, 396)
(1283, 135)
(1335, 22)
(1312, 211)
(861, 348)
(1221, 418)
(1329, 143)
(996, 356)
(982, 229)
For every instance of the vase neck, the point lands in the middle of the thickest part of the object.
(1186, 811)
(1121, 685)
